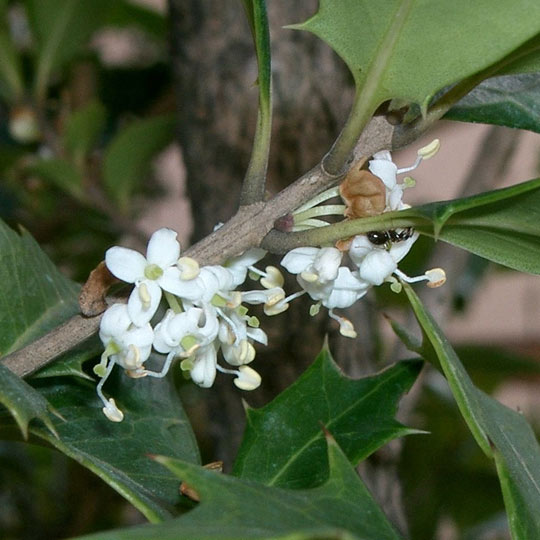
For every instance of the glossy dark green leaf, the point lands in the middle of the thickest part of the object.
(510, 100)
(234, 509)
(154, 422)
(283, 443)
(503, 434)
(129, 155)
(83, 128)
(500, 225)
(34, 296)
(410, 49)
(71, 362)
(23, 402)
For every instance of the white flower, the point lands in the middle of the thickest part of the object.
(151, 274)
(129, 345)
(346, 289)
(377, 263)
(182, 333)
(125, 344)
(314, 265)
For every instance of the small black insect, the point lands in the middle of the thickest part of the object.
(380, 238)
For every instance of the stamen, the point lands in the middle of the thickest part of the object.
(189, 268)
(112, 412)
(346, 327)
(165, 368)
(412, 167)
(437, 277)
(144, 295)
(428, 151)
(232, 326)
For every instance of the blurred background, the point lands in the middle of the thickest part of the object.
(121, 117)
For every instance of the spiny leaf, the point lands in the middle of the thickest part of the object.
(34, 296)
(231, 508)
(23, 402)
(283, 444)
(154, 422)
(410, 49)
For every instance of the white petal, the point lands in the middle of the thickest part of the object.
(163, 248)
(377, 266)
(258, 335)
(141, 337)
(171, 282)
(394, 198)
(126, 264)
(297, 260)
(347, 289)
(139, 312)
(360, 247)
(115, 322)
(203, 372)
(224, 276)
(385, 170)
(400, 249)
(327, 264)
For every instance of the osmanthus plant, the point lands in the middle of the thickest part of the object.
(342, 229)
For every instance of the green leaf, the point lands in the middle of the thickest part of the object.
(23, 402)
(283, 444)
(34, 296)
(83, 128)
(61, 28)
(231, 508)
(511, 100)
(128, 157)
(502, 434)
(253, 188)
(500, 225)
(61, 173)
(71, 362)
(408, 50)
(154, 422)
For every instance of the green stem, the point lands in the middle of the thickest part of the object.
(253, 187)
(282, 242)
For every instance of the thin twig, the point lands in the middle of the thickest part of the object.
(245, 229)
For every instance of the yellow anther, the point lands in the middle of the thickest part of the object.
(429, 150)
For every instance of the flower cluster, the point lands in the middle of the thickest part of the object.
(205, 314)
(374, 256)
